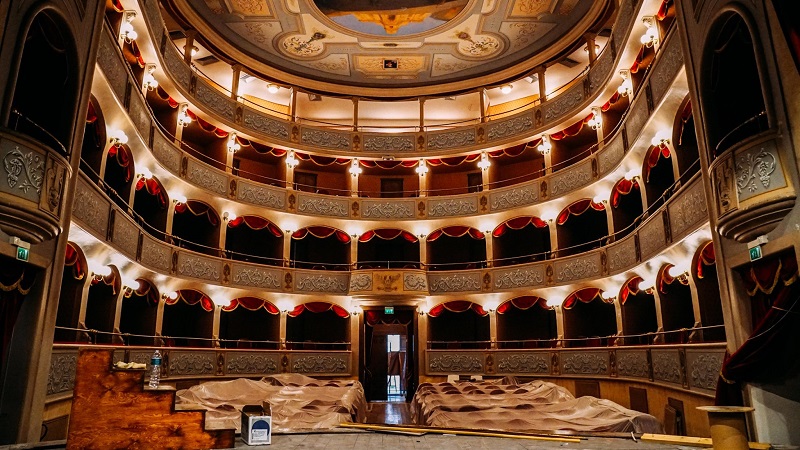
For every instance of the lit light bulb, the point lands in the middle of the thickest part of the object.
(117, 137)
(232, 145)
(650, 36)
(180, 198)
(506, 89)
(146, 173)
(484, 163)
(626, 88)
(291, 160)
(184, 118)
(545, 147)
(355, 169)
(272, 88)
(422, 168)
(596, 121)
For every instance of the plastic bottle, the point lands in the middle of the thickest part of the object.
(155, 369)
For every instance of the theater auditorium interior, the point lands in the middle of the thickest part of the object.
(431, 223)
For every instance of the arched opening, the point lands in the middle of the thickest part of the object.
(388, 179)
(677, 310)
(165, 110)
(734, 106)
(138, 316)
(573, 144)
(205, 141)
(259, 162)
(101, 306)
(581, 226)
(589, 320)
(516, 164)
(526, 322)
(16, 281)
(685, 140)
(458, 324)
(658, 175)
(195, 226)
(254, 239)
(639, 319)
(383, 359)
(150, 206)
(119, 174)
(321, 248)
(188, 320)
(94, 141)
(322, 174)
(613, 112)
(454, 175)
(73, 281)
(456, 247)
(704, 271)
(46, 90)
(318, 326)
(388, 248)
(249, 322)
(520, 240)
(626, 207)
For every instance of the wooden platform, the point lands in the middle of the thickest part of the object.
(111, 409)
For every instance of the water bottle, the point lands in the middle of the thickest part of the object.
(155, 369)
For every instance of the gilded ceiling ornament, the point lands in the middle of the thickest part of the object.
(477, 46)
(305, 46)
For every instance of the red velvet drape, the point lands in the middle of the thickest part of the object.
(122, 155)
(198, 208)
(387, 234)
(252, 304)
(455, 231)
(192, 297)
(571, 130)
(256, 223)
(705, 258)
(585, 295)
(518, 223)
(318, 307)
(578, 208)
(16, 280)
(408, 163)
(623, 187)
(75, 259)
(630, 288)
(153, 187)
(523, 303)
(655, 155)
(321, 232)
(457, 306)
(454, 160)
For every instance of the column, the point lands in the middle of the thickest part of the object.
(590, 47)
(287, 248)
(551, 227)
(618, 314)
(353, 251)
(423, 250)
(489, 248)
(215, 326)
(289, 171)
(353, 182)
(423, 183)
(482, 99)
(237, 73)
(293, 105)
(116, 338)
(493, 327)
(559, 325)
(422, 343)
(170, 217)
(659, 339)
(695, 336)
(542, 85)
(355, 113)
(282, 329)
(223, 232)
(179, 123)
(160, 320)
(421, 115)
(355, 342)
(84, 302)
(187, 49)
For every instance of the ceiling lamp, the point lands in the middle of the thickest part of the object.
(194, 50)
(422, 168)
(596, 121)
(148, 80)
(506, 89)
(291, 161)
(272, 88)
(183, 116)
(355, 169)
(232, 145)
(650, 36)
(626, 88)
(545, 147)
(484, 163)
(126, 31)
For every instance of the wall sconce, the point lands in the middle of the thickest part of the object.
(170, 296)
(273, 88)
(355, 310)
(129, 285)
(149, 82)
(285, 305)
(227, 215)
(183, 115)
(491, 305)
(597, 120)
(682, 275)
(650, 36)
(647, 285)
(506, 89)
(145, 173)
(599, 199)
(631, 174)
(548, 216)
(179, 198)
(232, 145)
(291, 160)
(355, 169)
(661, 138)
(607, 295)
(117, 137)
(422, 168)
(194, 50)
(626, 88)
(484, 163)
(98, 270)
(545, 147)
(126, 31)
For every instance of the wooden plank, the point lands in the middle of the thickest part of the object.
(693, 441)
(459, 432)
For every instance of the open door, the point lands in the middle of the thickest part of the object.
(387, 365)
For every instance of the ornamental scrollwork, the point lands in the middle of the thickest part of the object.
(451, 207)
(632, 364)
(652, 237)
(126, 235)
(621, 255)
(180, 72)
(265, 125)
(668, 66)
(325, 139)
(523, 364)
(206, 178)
(61, 377)
(221, 105)
(24, 171)
(705, 370)
(388, 143)
(166, 153)
(109, 61)
(199, 268)
(512, 127)
(321, 283)
(454, 283)
(453, 139)
(320, 364)
(191, 364)
(250, 363)
(689, 209)
(563, 103)
(415, 282)
(585, 363)
(612, 154)
(600, 71)
(360, 282)
(156, 255)
(323, 207)
(752, 167)
(578, 269)
(455, 364)
(666, 367)
(255, 277)
(513, 198)
(90, 209)
(387, 210)
(573, 178)
(262, 196)
(532, 276)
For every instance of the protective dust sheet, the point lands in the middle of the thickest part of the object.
(298, 402)
(534, 406)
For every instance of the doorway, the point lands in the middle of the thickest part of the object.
(387, 366)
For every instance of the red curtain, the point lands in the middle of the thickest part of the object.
(122, 155)
(663, 10)
(637, 63)
(518, 223)
(454, 160)
(318, 307)
(523, 303)
(111, 280)
(75, 259)
(207, 126)
(656, 153)
(664, 279)
(256, 223)
(387, 234)
(455, 231)
(16, 281)
(147, 290)
(457, 306)
(260, 148)
(585, 295)
(192, 297)
(571, 130)
(198, 208)
(252, 304)
(321, 232)
(763, 278)
(375, 317)
(623, 187)
(705, 258)
(153, 187)
(686, 114)
(630, 288)
(388, 164)
(91, 114)
(321, 160)
(163, 95)
(614, 99)
(578, 208)
(515, 150)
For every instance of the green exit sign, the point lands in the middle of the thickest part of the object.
(755, 253)
(388, 309)
(22, 253)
